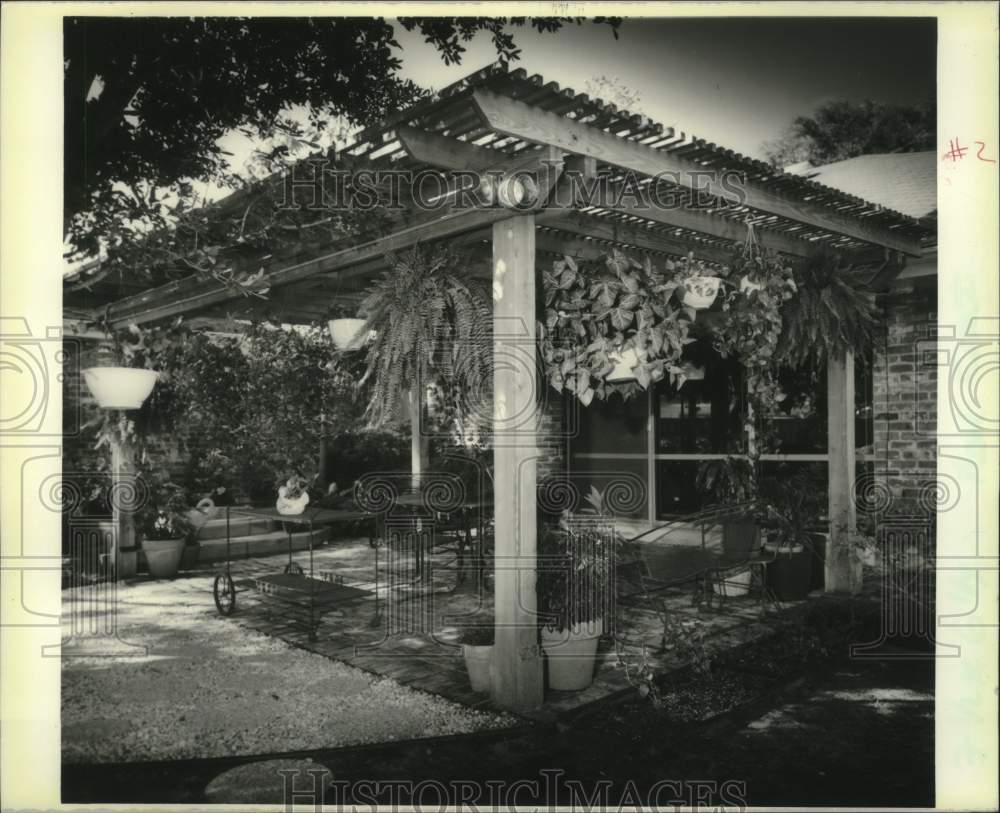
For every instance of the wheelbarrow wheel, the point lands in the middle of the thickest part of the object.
(224, 592)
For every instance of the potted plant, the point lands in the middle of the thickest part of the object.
(730, 481)
(431, 325)
(574, 589)
(293, 495)
(792, 506)
(476, 640)
(165, 531)
(612, 326)
(699, 284)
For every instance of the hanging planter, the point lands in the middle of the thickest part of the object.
(625, 363)
(692, 373)
(120, 387)
(348, 334)
(747, 286)
(700, 292)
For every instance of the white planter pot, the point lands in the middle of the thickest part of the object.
(348, 334)
(292, 507)
(479, 665)
(733, 585)
(624, 362)
(700, 292)
(571, 654)
(120, 387)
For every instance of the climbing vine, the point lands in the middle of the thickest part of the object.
(595, 313)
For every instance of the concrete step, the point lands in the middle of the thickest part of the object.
(238, 526)
(261, 544)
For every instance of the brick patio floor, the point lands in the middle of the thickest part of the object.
(409, 633)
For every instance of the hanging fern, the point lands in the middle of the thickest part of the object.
(832, 313)
(432, 325)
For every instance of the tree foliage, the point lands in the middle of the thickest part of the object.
(147, 99)
(842, 129)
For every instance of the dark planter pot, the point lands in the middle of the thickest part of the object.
(790, 575)
(739, 539)
(817, 580)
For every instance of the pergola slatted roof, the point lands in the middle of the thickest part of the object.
(498, 118)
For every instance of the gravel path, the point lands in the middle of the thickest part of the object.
(195, 685)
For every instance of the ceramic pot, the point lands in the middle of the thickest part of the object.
(624, 363)
(163, 557)
(570, 655)
(733, 585)
(348, 334)
(479, 665)
(119, 387)
(700, 292)
(291, 507)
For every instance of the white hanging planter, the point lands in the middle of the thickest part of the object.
(348, 334)
(120, 387)
(748, 287)
(700, 292)
(692, 373)
(624, 363)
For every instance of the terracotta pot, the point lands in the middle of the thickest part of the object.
(570, 655)
(348, 334)
(163, 557)
(479, 665)
(700, 292)
(120, 387)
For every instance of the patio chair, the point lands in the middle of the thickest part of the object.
(657, 566)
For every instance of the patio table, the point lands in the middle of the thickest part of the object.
(307, 596)
(471, 514)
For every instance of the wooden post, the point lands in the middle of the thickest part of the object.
(123, 490)
(842, 570)
(418, 442)
(517, 664)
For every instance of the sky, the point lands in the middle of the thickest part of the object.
(734, 81)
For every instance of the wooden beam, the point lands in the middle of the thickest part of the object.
(616, 232)
(842, 569)
(455, 155)
(515, 118)
(517, 664)
(193, 293)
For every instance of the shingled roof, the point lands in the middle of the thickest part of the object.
(904, 182)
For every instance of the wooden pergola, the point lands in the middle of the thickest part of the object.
(503, 122)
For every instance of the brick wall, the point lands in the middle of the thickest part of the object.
(905, 400)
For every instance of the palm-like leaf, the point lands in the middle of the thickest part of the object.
(432, 325)
(832, 313)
